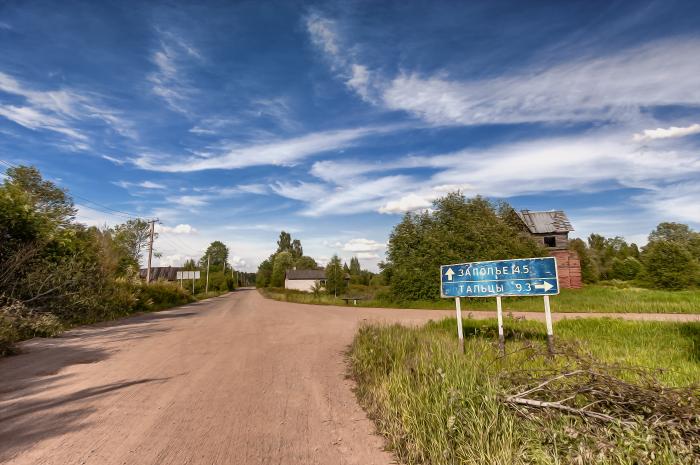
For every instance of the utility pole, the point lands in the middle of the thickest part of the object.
(150, 250)
(206, 288)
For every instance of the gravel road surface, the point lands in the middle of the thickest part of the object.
(233, 380)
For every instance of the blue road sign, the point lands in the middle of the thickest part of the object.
(519, 277)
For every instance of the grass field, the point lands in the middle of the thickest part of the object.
(436, 406)
(592, 299)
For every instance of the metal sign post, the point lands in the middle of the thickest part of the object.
(460, 334)
(500, 278)
(501, 336)
(182, 275)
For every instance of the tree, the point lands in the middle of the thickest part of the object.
(355, 269)
(456, 230)
(47, 199)
(305, 263)
(218, 256)
(669, 265)
(626, 269)
(589, 270)
(679, 233)
(284, 243)
(283, 262)
(133, 237)
(335, 277)
(189, 265)
(296, 249)
(264, 275)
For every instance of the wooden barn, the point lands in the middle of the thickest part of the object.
(551, 229)
(162, 273)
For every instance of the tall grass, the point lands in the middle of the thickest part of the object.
(435, 406)
(590, 299)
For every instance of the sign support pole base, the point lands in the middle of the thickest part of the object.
(460, 333)
(501, 336)
(550, 331)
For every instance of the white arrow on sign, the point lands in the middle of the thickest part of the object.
(449, 273)
(546, 286)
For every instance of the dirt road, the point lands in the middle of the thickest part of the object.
(233, 380)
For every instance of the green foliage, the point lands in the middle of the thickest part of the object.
(669, 265)
(335, 277)
(434, 405)
(263, 277)
(55, 272)
(189, 265)
(589, 269)
(284, 243)
(456, 230)
(130, 240)
(305, 263)
(283, 262)
(217, 252)
(626, 269)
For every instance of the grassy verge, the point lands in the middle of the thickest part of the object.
(590, 299)
(435, 406)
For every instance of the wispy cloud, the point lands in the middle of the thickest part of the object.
(143, 184)
(590, 162)
(58, 110)
(169, 81)
(362, 245)
(324, 35)
(666, 133)
(275, 152)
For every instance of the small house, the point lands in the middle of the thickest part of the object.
(304, 280)
(551, 229)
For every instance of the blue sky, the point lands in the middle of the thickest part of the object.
(234, 120)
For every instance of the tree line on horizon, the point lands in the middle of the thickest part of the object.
(290, 255)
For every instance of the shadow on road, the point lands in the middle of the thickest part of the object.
(26, 422)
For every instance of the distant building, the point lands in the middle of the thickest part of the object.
(305, 280)
(163, 273)
(551, 229)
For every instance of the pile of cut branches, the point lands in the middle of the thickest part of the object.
(600, 397)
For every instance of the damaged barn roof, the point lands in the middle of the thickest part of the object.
(554, 221)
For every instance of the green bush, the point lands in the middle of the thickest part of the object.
(626, 269)
(160, 295)
(669, 265)
(17, 322)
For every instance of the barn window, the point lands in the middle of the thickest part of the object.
(550, 241)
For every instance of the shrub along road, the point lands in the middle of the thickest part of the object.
(235, 379)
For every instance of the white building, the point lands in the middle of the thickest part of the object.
(304, 280)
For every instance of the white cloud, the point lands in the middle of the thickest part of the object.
(168, 81)
(677, 202)
(191, 200)
(276, 152)
(143, 184)
(57, 110)
(300, 191)
(609, 87)
(665, 133)
(114, 160)
(324, 35)
(151, 185)
(362, 245)
(407, 203)
(367, 256)
(593, 161)
(179, 229)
